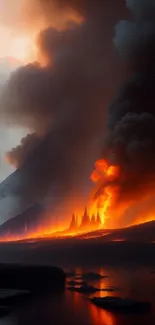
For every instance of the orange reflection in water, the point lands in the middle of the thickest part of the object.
(100, 316)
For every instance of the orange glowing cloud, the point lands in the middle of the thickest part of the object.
(19, 29)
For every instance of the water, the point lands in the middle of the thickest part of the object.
(70, 308)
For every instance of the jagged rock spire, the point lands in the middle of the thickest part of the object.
(76, 220)
(73, 224)
(85, 219)
(85, 212)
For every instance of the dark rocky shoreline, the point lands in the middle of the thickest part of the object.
(34, 278)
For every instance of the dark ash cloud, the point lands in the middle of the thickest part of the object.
(131, 118)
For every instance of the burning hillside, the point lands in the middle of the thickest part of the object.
(93, 218)
(102, 204)
(78, 225)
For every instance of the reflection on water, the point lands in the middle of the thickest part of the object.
(99, 316)
(70, 308)
(135, 284)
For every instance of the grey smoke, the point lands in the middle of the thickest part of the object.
(16, 156)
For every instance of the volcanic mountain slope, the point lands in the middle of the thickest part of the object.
(31, 179)
(20, 190)
(35, 179)
(19, 225)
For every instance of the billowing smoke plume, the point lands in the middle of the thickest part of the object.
(63, 97)
(130, 139)
(17, 155)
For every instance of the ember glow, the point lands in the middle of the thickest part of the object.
(19, 31)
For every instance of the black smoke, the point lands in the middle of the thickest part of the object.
(131, 119)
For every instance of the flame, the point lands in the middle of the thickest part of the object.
(105, 192)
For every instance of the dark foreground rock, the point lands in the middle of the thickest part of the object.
(4, 311)
(32, 278)
(13, 298)
(86, 289)
(117, 304)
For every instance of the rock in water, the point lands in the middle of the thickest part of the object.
(71, 274)
(93, 276)
(117, 304)
(84, 289)
(110, 289)
(32, 278)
